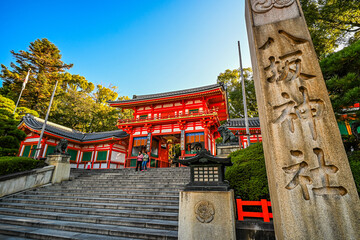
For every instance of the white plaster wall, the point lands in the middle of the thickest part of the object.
(118, 157)
(32, 140)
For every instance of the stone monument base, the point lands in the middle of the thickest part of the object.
(62, 167)
(207, 215)
(225, 150)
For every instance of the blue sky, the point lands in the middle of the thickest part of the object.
(140, 46)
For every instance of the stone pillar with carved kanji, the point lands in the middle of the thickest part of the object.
(312, 190)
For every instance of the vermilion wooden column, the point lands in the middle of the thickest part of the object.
(93, 158)
(206, 136)
(129, 151)
(110, 152)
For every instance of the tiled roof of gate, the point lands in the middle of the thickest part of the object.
(170, 94)
(240, 123)
(59, 130)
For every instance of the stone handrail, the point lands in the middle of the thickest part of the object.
(21, 181)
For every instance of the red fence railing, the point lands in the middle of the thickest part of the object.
(265, 214)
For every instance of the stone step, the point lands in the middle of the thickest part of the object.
(103, 229)
(130, 175)
(39, 233)
(106, 191)
(103, 195)
(137, 207)
(98, 204)
(99, 200)
(126, 184)
(173, 216)
(115, 189)
(89, 218)
(129, 172)
(131, 180)
(7, 237)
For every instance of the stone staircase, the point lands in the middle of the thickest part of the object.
(98, 204)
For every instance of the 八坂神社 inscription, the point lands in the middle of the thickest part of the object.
(303, 176)
(311, 186)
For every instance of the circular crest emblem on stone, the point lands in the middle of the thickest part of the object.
(262, 6)
(204, 211)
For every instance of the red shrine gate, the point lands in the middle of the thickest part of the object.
(187, 117)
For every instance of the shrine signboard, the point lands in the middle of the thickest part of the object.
(312, 190)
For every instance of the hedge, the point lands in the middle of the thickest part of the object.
(248, 177)
(10, 165)
(354, 160)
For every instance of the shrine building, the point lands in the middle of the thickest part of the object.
(188, 117)
(87, 150)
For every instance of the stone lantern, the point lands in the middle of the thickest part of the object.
(207, 172)
(206, 208)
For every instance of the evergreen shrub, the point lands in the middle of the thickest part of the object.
(247, 176)
(10, 165)
(354, 160)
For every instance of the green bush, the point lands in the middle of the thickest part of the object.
(247, 176)
(10, 165)
(354, 160)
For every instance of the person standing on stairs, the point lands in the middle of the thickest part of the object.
(139, 161)
(145, 161)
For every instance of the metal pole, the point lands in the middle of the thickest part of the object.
(227, 103)
(22, 89)
(46, 118)
(244, 97)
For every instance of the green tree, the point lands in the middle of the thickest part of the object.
(76, 104)
(332, 23)
(341, 72)
(86, 111)
(104, 117)
(44, 60)
(230, 78)
(247, 176)
(73, 110)
(10, 135)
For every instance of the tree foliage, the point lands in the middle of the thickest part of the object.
(87, 112)
(332, 23)
(247, 176)
(354, 161)
(44, 60)
(231, 79)
(77, 103)
(10, 136)
(341, 72)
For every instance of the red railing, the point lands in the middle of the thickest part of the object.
(169, 116)
(265, 214)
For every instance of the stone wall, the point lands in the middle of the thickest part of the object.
(25, 180)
